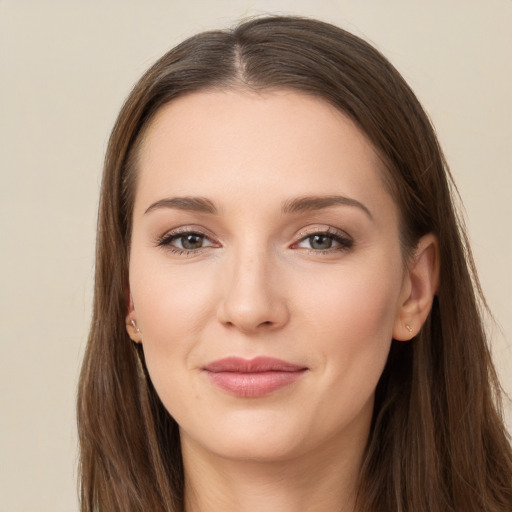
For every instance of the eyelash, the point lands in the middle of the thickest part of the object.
(345, 242)
(166, 242)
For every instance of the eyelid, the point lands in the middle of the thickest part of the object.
(165, 239)
(344, 240)
(318, 229)
(189, 228)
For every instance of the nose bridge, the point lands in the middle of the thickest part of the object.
(252, 297)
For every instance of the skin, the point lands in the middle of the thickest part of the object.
(260, 284)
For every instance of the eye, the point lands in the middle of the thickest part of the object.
(325, 241)
(185, 242)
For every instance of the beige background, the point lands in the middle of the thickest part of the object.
(65, 68)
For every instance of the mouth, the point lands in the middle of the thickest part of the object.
(252, 378)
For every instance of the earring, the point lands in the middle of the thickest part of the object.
(409, 328)
(134, 325)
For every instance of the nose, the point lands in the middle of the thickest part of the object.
(253, 298)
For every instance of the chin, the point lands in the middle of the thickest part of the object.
(262, 437)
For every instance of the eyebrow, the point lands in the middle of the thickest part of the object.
(312, 203)
(297, 205)
(195, 204)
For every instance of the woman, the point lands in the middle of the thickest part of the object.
(285, 315)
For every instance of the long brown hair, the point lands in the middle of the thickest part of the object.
(437, 442)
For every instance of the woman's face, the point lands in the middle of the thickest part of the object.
(265, 271)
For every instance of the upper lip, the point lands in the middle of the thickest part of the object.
(256, 365)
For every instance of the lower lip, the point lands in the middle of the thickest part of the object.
(253, 385)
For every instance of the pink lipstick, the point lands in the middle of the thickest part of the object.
(252, 378)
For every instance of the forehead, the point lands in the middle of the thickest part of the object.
(279, 141)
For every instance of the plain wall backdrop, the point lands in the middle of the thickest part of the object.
(65, 69)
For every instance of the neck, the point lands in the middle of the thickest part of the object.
(311, 482)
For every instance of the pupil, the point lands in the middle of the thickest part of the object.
(321, 242)
(192, 241)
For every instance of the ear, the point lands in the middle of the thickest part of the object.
(420, 284)
(131, 322)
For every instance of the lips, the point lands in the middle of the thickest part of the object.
(252, 377)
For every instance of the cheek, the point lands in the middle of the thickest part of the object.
(356, 303)
(171, 301)
(351, 327)
(173, 306)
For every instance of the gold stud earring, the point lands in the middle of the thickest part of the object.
(409, 328)
(134, 325)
